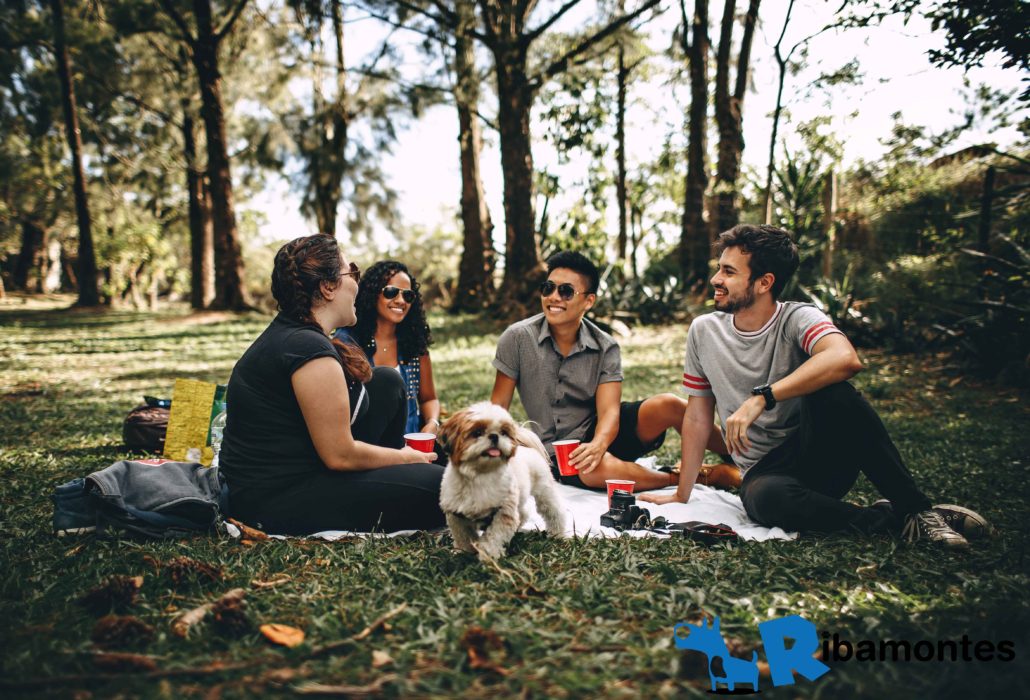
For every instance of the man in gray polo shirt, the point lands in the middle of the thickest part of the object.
(778, 373)
(569, 376)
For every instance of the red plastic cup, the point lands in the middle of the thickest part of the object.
(423, 442)
(562, 450)
(621, 485)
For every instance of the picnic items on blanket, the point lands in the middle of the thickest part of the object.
(705, 533)
(145, 427)
(195, 404)
(153, 497)
(624, 512)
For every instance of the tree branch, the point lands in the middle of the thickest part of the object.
(532, 36)
(562, 63)
(230, 20)
(180, 22)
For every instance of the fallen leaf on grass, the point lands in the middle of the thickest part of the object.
(281, 675)
(354, 691)
(117, 661)
(115, 592)
(113, 631)
(380, 659)
(183, 568)
(484, 647)
(283, 635)
(271, 584)
(249, 532)
(230, 618)
(182, 624)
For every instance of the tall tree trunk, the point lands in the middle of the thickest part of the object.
(30, 256)
(722, 106)
(340, 118)
(729, 114)
(229, 290)
(694, 245)
(781, 63)
(829, 221)
(87, 276)
(475, 271)
(202, 254)
(522, 264)
(983, 240)
(620, 149)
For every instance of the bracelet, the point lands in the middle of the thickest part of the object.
(434, 420)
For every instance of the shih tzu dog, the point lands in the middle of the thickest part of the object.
(494, 467)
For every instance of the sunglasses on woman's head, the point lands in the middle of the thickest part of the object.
(565, 290)
(354, 272)
(391, 292)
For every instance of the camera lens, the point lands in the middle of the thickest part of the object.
(622, 500)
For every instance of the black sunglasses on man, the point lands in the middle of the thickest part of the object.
(565, 290)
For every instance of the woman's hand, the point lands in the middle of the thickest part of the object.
(409, 455)
(431, 426)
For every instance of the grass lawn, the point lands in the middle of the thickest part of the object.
(570, 618)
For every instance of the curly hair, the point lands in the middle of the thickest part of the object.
(771, 250)
(301, 266)
(413, 334)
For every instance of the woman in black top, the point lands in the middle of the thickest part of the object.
(314, 439)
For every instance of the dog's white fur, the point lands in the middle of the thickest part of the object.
(494, 467)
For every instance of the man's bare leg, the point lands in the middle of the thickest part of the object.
(657, 414)
(614, 468)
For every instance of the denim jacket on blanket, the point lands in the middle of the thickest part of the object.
(157, 498)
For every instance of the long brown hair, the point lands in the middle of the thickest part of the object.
(301, 266)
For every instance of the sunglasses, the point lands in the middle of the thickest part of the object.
(354, 272)
(565, 290)
(391, 292)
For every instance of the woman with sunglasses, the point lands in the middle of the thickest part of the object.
(393, 332)
(314, 439)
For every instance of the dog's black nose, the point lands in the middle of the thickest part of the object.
(494, 438)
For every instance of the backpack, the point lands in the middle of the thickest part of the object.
(145, 427)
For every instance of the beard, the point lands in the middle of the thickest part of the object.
(732, 305)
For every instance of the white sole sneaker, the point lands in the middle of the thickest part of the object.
(964, 521)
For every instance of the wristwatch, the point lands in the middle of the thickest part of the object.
(765, 391)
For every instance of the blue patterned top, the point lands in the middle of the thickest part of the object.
(410, 369)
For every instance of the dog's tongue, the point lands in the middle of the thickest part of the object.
(494, 452)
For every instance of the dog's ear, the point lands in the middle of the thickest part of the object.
(449, 432)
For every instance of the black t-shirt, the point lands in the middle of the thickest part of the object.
(266, 445)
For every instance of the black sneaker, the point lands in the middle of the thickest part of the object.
(930, 526)
(965, 522)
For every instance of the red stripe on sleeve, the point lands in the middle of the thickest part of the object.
(811, 333)
(700, 381)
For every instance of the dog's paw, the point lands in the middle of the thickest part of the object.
(488, 552)
(466, 547)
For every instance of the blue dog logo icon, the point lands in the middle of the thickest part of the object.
(709, 640)
(784, 660)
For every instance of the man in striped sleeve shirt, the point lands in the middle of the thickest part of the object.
(777, 372)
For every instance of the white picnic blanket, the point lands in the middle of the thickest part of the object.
(584, 509)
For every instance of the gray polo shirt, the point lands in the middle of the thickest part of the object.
(558, 393)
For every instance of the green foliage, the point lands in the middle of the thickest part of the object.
(576, 618)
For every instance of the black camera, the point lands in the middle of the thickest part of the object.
(624, 513)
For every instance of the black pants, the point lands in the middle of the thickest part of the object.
(626, 446)
(798, 486)
(387, 499)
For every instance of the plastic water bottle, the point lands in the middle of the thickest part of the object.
(217, 431)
